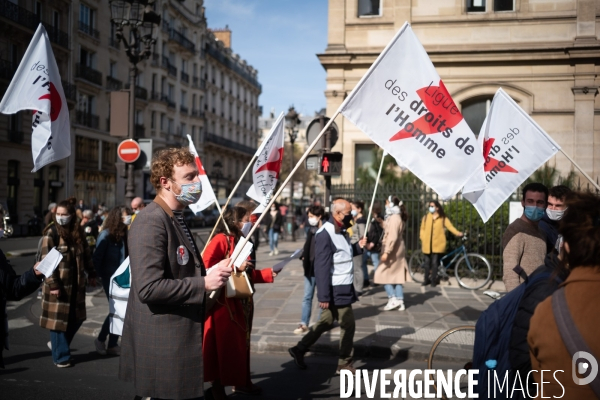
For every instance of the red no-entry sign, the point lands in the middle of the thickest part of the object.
(129, 150)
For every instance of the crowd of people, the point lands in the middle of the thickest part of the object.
(184, 326)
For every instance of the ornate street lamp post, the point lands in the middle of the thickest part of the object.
(291, 123)
(138, 18)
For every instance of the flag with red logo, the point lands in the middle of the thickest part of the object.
(513, 146)
(266, 169)
(208, 195)
(36, 86)
(403, 106)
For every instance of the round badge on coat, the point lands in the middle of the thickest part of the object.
(183, 255)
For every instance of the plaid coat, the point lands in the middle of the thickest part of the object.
(76, 261)
(161, 346)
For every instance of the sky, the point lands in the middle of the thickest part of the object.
(279, 38)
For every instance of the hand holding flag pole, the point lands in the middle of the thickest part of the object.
(374, 193)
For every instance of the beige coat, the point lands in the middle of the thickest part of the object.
(395, 269)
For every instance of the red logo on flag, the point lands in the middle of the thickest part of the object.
(491, 163)
(55, 102)
(274, 166)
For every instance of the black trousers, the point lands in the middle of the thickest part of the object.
(432, 263)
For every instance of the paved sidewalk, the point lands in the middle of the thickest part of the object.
(407, 334)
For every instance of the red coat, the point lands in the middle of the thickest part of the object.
(226, 344)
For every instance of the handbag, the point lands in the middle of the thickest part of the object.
(238, 285)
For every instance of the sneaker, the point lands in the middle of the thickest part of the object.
(49, 344)
(301, 329)
(64, 364)
(391, 304)
(253, 390)
(276, 251)
(114, 351)
(401, 305)
(347, 367)
(39, 293)
(271, 253)
(298, 356)
(100, 347)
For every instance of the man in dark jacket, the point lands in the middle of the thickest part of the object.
(554, 212)
(335, 289)
(13, 287)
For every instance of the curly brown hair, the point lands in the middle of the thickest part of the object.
(117, 230)
(580, 227)
(232, 217)
(71, 233)
(164, 161)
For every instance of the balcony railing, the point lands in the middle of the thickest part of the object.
(185, 77)
(140, 131)
(155, 59)
(114, 42)
(87, 119)
(15, 136)
(197, 113)
(88, 29)
(183, 109)
(170, 102)
(29, 20)
(88, 73)
(195, 81)
(230, 144)
(182, 40)
(155, 96)
(70, 90)
(113, 84)
(202, 83)
(7, 69)
(233, 65)
(172, 70)
(140, 92)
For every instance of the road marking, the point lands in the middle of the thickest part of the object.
(18, 323)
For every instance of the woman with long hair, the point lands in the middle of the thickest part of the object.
(392, 271)
(111, 251)
(274, 222)
(63, 294)
(433, 239)
(226, 344)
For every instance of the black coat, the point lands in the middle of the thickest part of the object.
(275, 223)
(308, 253)
(12, 287)
(519, 349)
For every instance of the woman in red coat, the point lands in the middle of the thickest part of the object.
(226, 345)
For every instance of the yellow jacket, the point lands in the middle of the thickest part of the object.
(432, 233)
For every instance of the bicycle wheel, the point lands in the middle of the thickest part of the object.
(453, 350)
(473, 271)
(416, 267)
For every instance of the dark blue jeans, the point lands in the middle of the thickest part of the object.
(61, 341)
(105, 330)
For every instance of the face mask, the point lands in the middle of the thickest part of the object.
(431, 209)
(555, 215)
(137, 212)
(273, 209)
(534, 213)
(347, 221)
(127, 220)
(246, 228)
(354, 213)
(190, 193)
(312, 221)
(63, 220)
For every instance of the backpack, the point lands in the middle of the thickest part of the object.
(55, 240)
(493, 331)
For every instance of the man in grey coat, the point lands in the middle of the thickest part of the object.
(161, 346)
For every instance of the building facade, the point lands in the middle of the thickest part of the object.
(544, 53)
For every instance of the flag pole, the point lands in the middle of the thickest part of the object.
(374, 193)
(231, 196)
(283, 185)
(581, 170)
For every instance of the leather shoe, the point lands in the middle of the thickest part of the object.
(298, 356)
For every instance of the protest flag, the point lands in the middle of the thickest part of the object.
(513, 146)
(37, 86)
(208, 195)
(403, 106)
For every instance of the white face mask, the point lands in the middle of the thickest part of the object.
(137, 212)
(555, 215)
(313, 221)
(246, 228)
(63, 220)
(127, 220)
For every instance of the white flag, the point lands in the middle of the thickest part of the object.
(208, 195)
(402, 105)
(37, 86)
(265, 172)
(513, 146)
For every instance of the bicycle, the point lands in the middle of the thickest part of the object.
(472, 270)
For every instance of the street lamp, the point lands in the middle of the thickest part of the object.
(291, 123)
(140, 18)
(218, 175)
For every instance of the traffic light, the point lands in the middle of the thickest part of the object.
(330, 164)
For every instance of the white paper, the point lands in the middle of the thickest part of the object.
(279, 266)
(50, 262)
(243, 254)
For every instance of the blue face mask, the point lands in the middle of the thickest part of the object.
(190, 193)
(534, 213)
(431, 209)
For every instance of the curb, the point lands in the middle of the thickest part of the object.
(21, 253)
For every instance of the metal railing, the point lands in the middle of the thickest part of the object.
(183, 109)
(224, 59)
(88, 29)
(114, 42)
(185, 77)
(178, 37)
(218, 140)
(29, 20)
(87, 119)
(113, 84)
(195, 81)
(140, 92)
(70, 90)
(171, 103)
(140, 131)
(88, 73)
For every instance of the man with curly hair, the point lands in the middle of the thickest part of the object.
(161, 346)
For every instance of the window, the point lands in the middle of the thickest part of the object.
(183, 98)
(38, 9)
(504, 5)
(170, 126)
(183, 130)
(368, 8)
(87, 58)
(56, 19)
(38, 189)
(475, 5)
(87, 18)
(363, 158)
(13, 188)
(112, 69)
(163, 122)
(153, 120)
(474, 111)
(171, 93)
